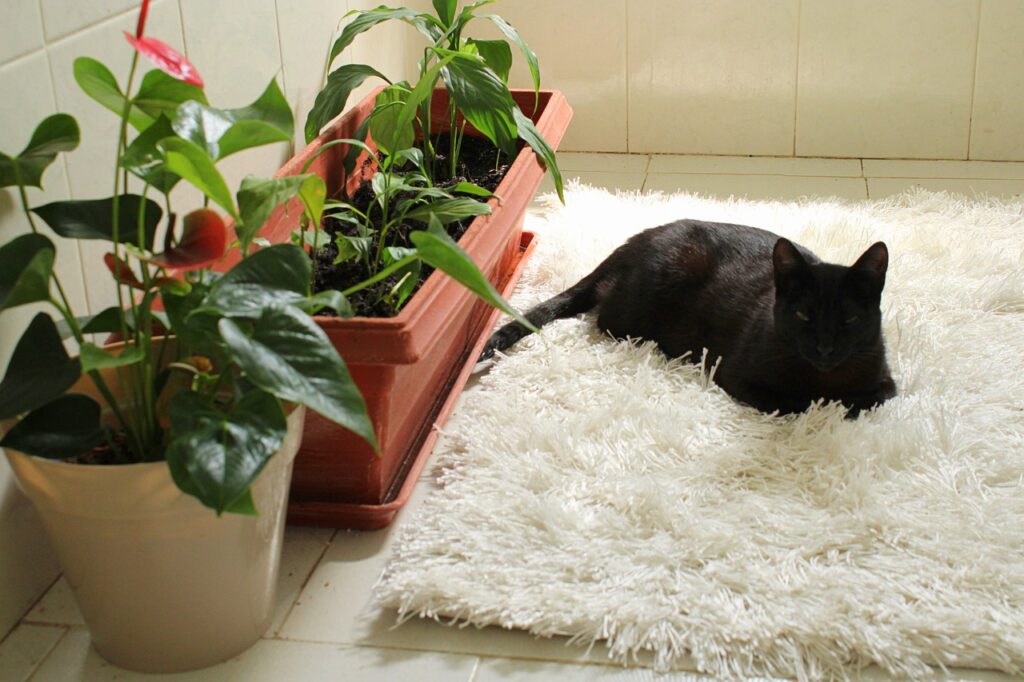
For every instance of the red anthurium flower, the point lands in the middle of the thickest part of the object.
(141, 26)
(166, 58)
(122, 272)
(203, 241)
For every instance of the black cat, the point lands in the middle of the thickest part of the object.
(789, 329)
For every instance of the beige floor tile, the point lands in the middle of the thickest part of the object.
(758, 186)
(303, 548)
(269, 661)
(25, 648)
(754, 165)
(607, 163)
(57, 607)
(897, 168)
(1007, 189)
(504, 670)
(626, 182)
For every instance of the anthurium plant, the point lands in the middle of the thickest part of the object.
(208, 362)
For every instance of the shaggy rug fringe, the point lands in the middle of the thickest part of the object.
(594, 489)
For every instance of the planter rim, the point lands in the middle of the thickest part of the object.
(423, 298)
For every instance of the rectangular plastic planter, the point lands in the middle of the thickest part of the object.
(406, 365)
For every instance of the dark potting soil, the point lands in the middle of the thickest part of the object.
(476, 165)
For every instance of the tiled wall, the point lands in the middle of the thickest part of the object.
(855, 78)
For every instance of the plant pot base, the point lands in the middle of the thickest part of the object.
(376, 516)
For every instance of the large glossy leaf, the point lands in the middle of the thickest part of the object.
(196, 331)
(55, 134)
(93, 219)
(39, 370)
(222, 132)
(496, 54)
(482, 98)
(204, 239)
(165, 58)
(366, 19)
(439, 250)
(512, 34)
(93, 357)
(160, 94)
(384, 121)
(222, 452)
(446, 11)
(290, 356)
(98, 82)
(330, 101)
(192, 163)
(143, 159)
(25, 266)
(65, 427)
(258, 197)
(449, 210)
(528, 132)
(272, 276)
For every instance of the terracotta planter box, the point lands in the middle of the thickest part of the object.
(406, 366)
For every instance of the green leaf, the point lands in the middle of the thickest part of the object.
(528, 132)
(39, 370)
(161, 94)
(470, 188)
(482, 98)
(93, 357)
(331, 100)
(367, 19)
(258, 197)
(290, 356)
(446, 11)
(332, 299)
(93, 219)
(26, 263)
(384, 120)
(65, 427)
(276, 275)
(196, 331)
(512, 34)
(449, 210)
(496, 54)
(144, 160)
(98, 82)
(444, 254)
(55, 134)
(188, 160)
(350, 248)
(222, 132)
(222, 453)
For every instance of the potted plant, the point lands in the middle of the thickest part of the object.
(400, 152)
(160, 465)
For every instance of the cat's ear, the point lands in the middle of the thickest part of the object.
(789, 263)
(872, 266)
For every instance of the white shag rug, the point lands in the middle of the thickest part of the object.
(595, 489)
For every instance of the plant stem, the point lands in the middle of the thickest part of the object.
(398, 264)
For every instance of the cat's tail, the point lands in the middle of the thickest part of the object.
(577, 299)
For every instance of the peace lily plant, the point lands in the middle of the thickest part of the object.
(209, 361)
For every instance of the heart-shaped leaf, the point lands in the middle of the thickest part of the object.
(219, 454)
(275, 275)
(327, 299)
(93, 357)
(290, 356)
(143, 159)
(26, 263)
(165, 58)
(55, 134)
(161, 94)
(93, 219)
(39, 370)
(204, 239)
(99, 83)
(192, 163)
(222, 132)
(330, 101)
(62, 428)
(482, 98)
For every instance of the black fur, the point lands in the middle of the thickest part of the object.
(789, 329)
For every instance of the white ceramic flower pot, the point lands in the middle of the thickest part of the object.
(163, 583)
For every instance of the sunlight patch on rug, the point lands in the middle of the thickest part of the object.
(595, 489)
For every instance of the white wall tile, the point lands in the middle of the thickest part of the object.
(712, 77)
(90, 167)
(21, 30)
(886, 79)
(999, 86)
(61, 17)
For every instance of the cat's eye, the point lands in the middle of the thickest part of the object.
(802, 316)
(851, 319)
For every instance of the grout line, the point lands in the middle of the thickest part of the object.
(974, 81)
(39, 665)
(796, 83)
(305, 582)
(24, 616)
(181, 20)
(867, 189)
(75, 32)
(476, 669)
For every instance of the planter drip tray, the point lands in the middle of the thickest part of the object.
(336, 514)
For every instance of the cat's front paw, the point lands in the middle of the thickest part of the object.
(855, 405)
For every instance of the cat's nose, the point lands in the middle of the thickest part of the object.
(825, 349)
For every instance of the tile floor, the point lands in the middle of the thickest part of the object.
(326, 628)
